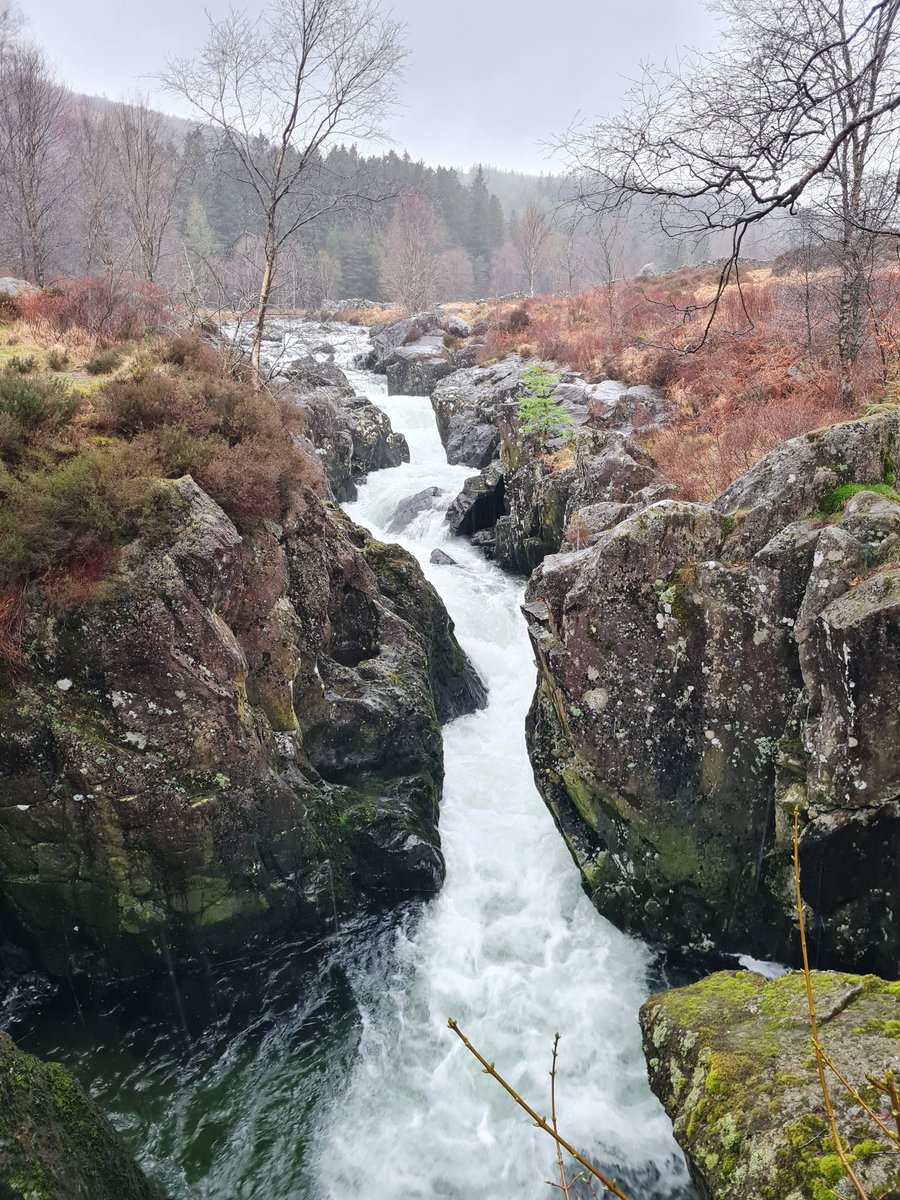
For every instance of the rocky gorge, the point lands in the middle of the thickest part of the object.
(703, 670)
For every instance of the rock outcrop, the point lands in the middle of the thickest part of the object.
(730, 1059)
(417, 352)
(545, 483)
(705, 669)
(55, 1144)
(237, 737)
(351, 435)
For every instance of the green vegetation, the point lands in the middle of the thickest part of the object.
(836, 499)
(539, 413)
(80, 476)
(103, 362)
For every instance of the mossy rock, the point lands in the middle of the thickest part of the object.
(731, 1058)
(55, 1144)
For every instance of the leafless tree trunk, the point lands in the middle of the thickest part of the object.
(151, 173)
(326, 273)
(279, 88)
(33, 112)
(802, 101)
(99, 197)
(530, 240)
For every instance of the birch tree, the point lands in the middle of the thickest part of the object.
(34, 110)
(530, 240)
(279, 88)
(151, 171)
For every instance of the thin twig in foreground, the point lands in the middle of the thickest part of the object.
(895, 1137)
(539, 1121)
(559, 1153)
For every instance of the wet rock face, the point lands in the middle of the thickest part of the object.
(469, 407)
(54, 1142)
(414, 354)
(697, 682)
(544, 485)
(351, 435)
(412, 507)
(236, 736)
(730, 1059)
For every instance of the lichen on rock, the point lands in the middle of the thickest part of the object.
(703, 669)
(732, 1061)
(249, 744)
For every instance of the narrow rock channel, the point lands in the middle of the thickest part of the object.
(328, 1072)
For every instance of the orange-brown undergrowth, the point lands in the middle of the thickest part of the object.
(765, 372)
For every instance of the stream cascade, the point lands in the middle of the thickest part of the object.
(328, 1072)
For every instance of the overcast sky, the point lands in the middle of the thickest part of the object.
(487, 80)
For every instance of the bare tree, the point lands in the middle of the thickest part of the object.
(326, 275)
(98, 197)
(278, 89)
(10, 26)
(33, 114)
(409, 263)
(504, 269)
(802, 101)
(455, 276)
(605, 257)
(530, 240)
(151, 173)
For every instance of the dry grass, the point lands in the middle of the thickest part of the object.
(766, 372)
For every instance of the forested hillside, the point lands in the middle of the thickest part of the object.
(98, 187)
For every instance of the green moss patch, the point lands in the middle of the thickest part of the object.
(836, 500)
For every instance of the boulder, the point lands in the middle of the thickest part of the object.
(703, 670)
(351, 435)
(546, 482)
(730, 1059)
(469, 407)
(794, 479)
(410, 508)
(55, 1143)
(375, 445)
(441, 559)
(457, 327)
(17, 287)
(237, 738)
(415, 369)
(413, 352)
(536, 496)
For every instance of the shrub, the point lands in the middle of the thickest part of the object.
(103, 362)
(255, 479)
(194, 352)
(12, 620)
(517, 319)
(29, 407)
(22, 363)
(55, 515)
(9, 308)
(57, 360)
(539, 413)
(176, 451)
(106, 310)
(147, 400)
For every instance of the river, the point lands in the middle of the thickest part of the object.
(327, 1072)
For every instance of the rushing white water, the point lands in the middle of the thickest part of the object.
(511, 948)
(326, 1071)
